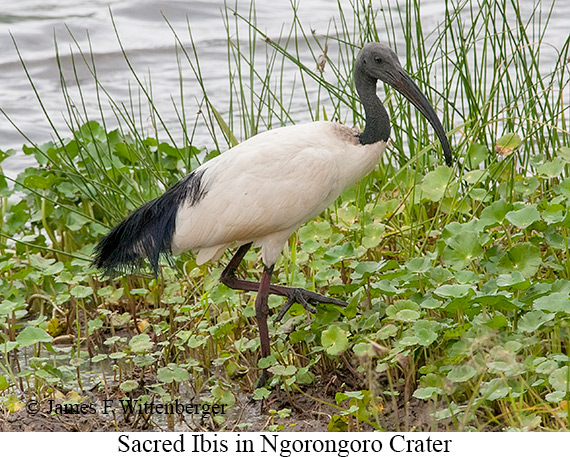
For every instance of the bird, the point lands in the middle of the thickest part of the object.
(259, 192)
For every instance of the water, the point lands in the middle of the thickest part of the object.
(150, 45)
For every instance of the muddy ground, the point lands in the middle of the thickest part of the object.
(310, 412)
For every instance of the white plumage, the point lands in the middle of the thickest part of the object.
(263, 189)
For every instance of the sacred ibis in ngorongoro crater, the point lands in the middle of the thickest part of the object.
(260, 191)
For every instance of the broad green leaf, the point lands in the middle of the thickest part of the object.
(5, 153)
(334, 340)
(328, 274)
(196, 341)
(476, 154)
(494, 389)
(526, 186)
(139, 291)
(33, 335)
(409, 340)
(223, 396)
(386, 287)
(454, 290)
(367, 268)
(514, 280)
(462, 249)
(361, 349)
(144, 360)
(554, 303)
(564, 153)
(42, 182)
(494, 214)
(551, 168)
(314, 230)
(339, 252)
(347, 215)
(425, 393)
(8, 346)
(41, 263)
(478, 194)
(452, 229)
(533, 320)
(141, 343)
(564, 188)
(547, 367)
(387, 332)
(267, 362)
(556, 396)
(76, 221)
(495, 301)
(431, 303)
(524, 217)
(373, 235)
(304, 376)
(281, 370)
(404, 310)
(523, 257)
(507, 144)
(560, 379)
(99, 358)
(338, 423)
(461, 373)
(426, 331)
(117, 355)
(81, 291)
(172, 373)
(418, 265)
(128, 386)
(261, 393)
(9, 306)
(435, 183)
(94, 324)
(474, 176)
(4, 384)
(496, 322)
(53, 269)
(554, 214)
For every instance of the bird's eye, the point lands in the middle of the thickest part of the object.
(364, 61)
(378, 59)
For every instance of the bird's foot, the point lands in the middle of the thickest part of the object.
(306, 299)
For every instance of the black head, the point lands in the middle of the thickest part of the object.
(378, 62)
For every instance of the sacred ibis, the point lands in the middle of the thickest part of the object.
(260, 191)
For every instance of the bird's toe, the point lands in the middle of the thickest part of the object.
(306, 299)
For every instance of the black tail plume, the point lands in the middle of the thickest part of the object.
(147, 232)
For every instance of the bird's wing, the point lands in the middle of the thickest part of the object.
(265, 188)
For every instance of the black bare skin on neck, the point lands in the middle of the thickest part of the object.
(377, 126)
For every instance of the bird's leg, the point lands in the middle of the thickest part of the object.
(229, 278)
(304, 297)
(261, 313)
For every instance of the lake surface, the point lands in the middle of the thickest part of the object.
(35, 25)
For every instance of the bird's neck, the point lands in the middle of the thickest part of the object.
(377, 126)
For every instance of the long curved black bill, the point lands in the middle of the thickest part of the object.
(408, 88)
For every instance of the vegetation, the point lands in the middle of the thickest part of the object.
(458, 279)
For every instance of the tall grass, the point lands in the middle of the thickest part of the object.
(445, 269)
(480, 66)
